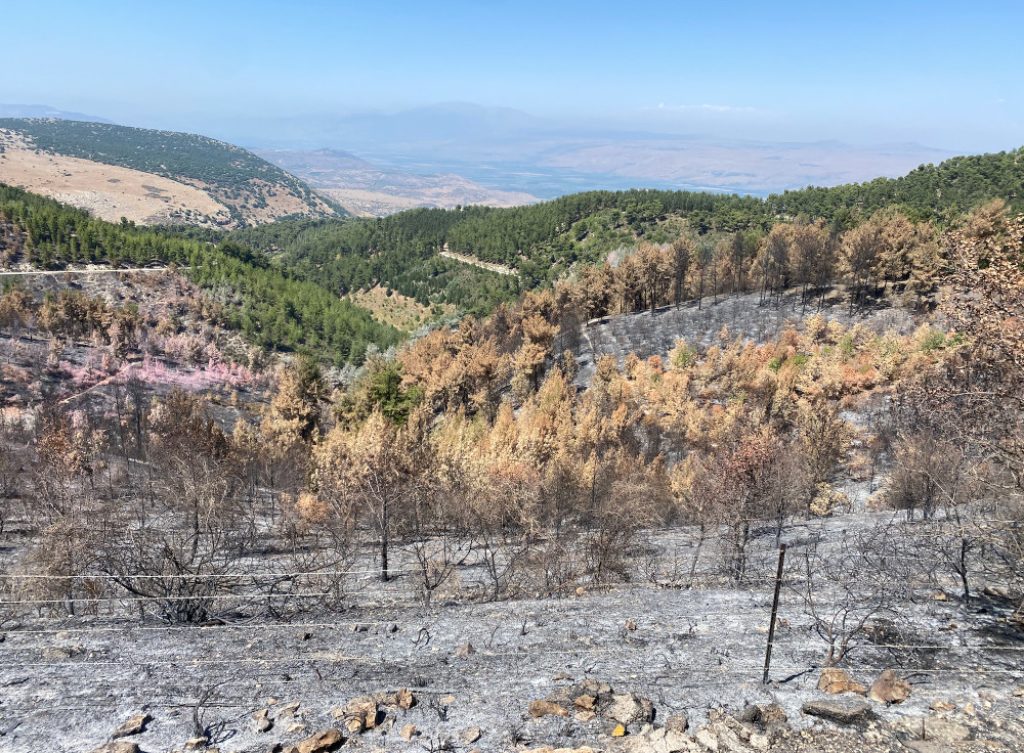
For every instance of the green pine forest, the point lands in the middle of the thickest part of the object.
(285, 281)
(271, 307)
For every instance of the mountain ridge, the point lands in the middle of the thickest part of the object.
(249, 189)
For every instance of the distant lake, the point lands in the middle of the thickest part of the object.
(542, 182)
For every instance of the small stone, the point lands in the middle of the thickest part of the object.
(839, 710)
(834, 680)
(404, 698)
(320, 742)
(447, 700)
(195, 743)
(296, 727)
(470, 735)
(134, 725)
(619, 730)
(935, 729)
(465, 650)
(627, 709)
(631, 625)
(408, 732)
(585, 702)
(707, 738)
(59, 653)
(289, 709)
(759, 741)
(889, 688)
(118, 746)
(540, 709)
(585, 716)
(942, 706)
(677, 723)
(263, 720)
(360, 714)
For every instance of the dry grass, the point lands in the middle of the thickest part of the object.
(398, 310)
(107, 191)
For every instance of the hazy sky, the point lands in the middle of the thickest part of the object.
(946, 74)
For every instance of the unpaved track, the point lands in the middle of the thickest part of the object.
(62, 272)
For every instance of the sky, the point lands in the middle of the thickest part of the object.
(943, 74)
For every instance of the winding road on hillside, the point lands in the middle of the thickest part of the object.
(58, 272)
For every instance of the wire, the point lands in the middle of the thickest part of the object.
(201, 576)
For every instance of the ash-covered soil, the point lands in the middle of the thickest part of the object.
(742, 316)
(67, 683)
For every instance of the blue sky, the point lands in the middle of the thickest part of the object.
(940, 73)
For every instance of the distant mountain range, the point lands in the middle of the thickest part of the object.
(457, 154)
(45, 111)
(513, 151)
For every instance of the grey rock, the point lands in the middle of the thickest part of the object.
(839, 710)
(134, 725)
(627, 709)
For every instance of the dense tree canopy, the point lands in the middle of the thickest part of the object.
(274, 309)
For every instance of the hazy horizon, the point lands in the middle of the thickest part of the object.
(802, 73)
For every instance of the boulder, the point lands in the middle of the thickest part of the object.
(133, 725)
(839, 710)
(321, 742)
(628, 709)
(470, 735)
(889, 688)
(540, 709)
(834, 681)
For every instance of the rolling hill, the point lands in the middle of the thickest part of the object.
(151, 177)
(546, 241)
